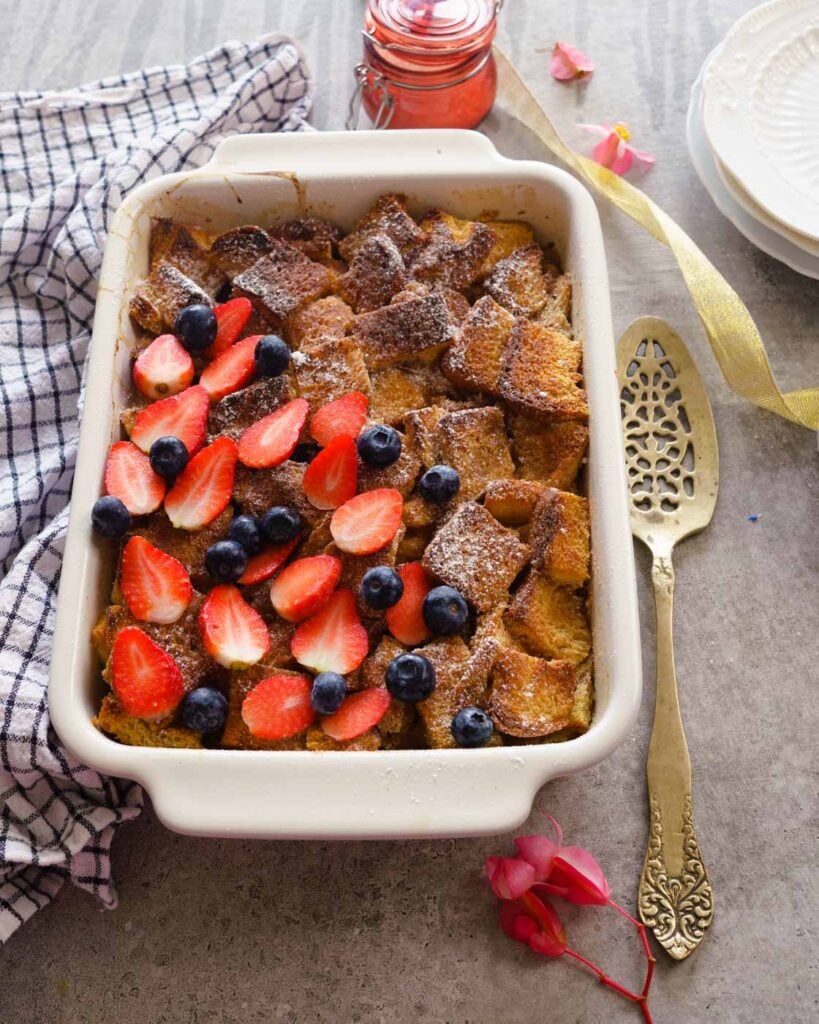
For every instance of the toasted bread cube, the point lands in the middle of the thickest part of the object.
(375, 274)
(474, 442)
(522, 282)
(421, 426)
(318, 537)
(136, 732)
(329, 369)
(475, 358)
(509, 235)
(326, 318)
(388, 216)
(560, 538)
(413, 544)
(238, 249)
(512, 502)
(375, 665)
(549, 620)
(530, 696)
(453, 250)
(394, 727)
(399, 475)
(188, 546)
(353, 568)
(315, 237)
(237, 736)
(393, 390)
(457, 304)
(233, 414)
(186, 249)
(281, 282)
(550, 453)
(257, 490)
(317, 739)
(477, 556)
(540, 373)
(449, 658)
(583, 703)
(419, 513)
(403, 330)
(162, 295)
(556, 314)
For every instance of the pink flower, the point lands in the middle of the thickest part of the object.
(613, 150)
(540, 851)
(535, 922)
(577, 877)
(509, 877)
(569, 63)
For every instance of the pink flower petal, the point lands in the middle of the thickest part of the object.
(579, 873)
(540, 851)
(613, 150)
(569, 63)
(509, 876)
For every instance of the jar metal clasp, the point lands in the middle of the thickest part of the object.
(367, 77)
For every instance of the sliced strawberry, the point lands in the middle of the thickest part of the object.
(305, 586)
(231, 318)
(163, 368)
(233, 633)
(271, 441)
(332, 476)
(359, 713)
(231, 370)
(279, 707)
(204, 487)
(155, 585)
(129, 477)
(405, 620)
(344, 416)
(183, 416)
(367, 522)
(262, 566)
(333, 640)
(145, 678)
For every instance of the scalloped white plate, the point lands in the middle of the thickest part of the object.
(761, 109)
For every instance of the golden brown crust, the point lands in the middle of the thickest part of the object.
(238, 249)
(530, 696)
(162, 295)
(387, 216)
(475, 358)
(376, 273)
(522, 282)
(328, 369)
(560, 538)
(136, 732)
(540, 373)
(551, 453)
(474, 442)
(549, 620)
(512, 502)
(403, 330)
(236, 412)
(281, 282)
(452, 252)
(183, 248)
(321, 320)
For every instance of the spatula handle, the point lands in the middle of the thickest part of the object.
(675, 899)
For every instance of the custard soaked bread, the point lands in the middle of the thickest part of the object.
(354, 521)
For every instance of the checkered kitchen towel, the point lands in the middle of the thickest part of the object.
(66, 161)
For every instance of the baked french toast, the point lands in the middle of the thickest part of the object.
(348, 498)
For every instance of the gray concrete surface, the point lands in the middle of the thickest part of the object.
(233, 933)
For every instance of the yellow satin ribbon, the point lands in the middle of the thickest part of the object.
(730, 328)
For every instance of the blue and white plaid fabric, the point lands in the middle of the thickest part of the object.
(67, 159)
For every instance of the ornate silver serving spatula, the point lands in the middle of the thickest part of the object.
(671, 453)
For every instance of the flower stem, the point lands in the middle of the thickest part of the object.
(643, 933)
(604, 978)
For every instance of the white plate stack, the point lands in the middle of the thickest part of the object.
(753, 130)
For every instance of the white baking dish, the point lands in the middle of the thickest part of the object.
(411, 793)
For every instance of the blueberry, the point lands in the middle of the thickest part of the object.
(272, 356)
(381, 587)
(472, 727)
(110, 517)
(439, 484)
(245, 530)
(196, 327)
(204, 709)
(445, 611)
(168, 456)
(410, 677)
(328, 693)
(281, 524)
(226, 560)
(379, 446)
(305, 452)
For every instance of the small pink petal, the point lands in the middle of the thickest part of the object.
(569, 63)
(579, 873)
(613, 150)
(642, 161)
(599, 131)
(509, 877)
(550, 938)
(540, 851)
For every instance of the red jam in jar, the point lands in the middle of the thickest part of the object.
(428, 63)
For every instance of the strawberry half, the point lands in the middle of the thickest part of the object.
(233, 633)
(367, 522)
(359, 713)
(344, 416)
(183, 416)
(231, 318)
(231, 370)
(279, 707)
(332, 476)
(333, 640)
(145, 678)
(129, 477)
(405, 620)
(271, 441)
(305, 586)
(155, 585)
(204, 487)
(163, 368)
(262, 566)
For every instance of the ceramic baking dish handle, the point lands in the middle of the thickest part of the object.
(325, 154)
